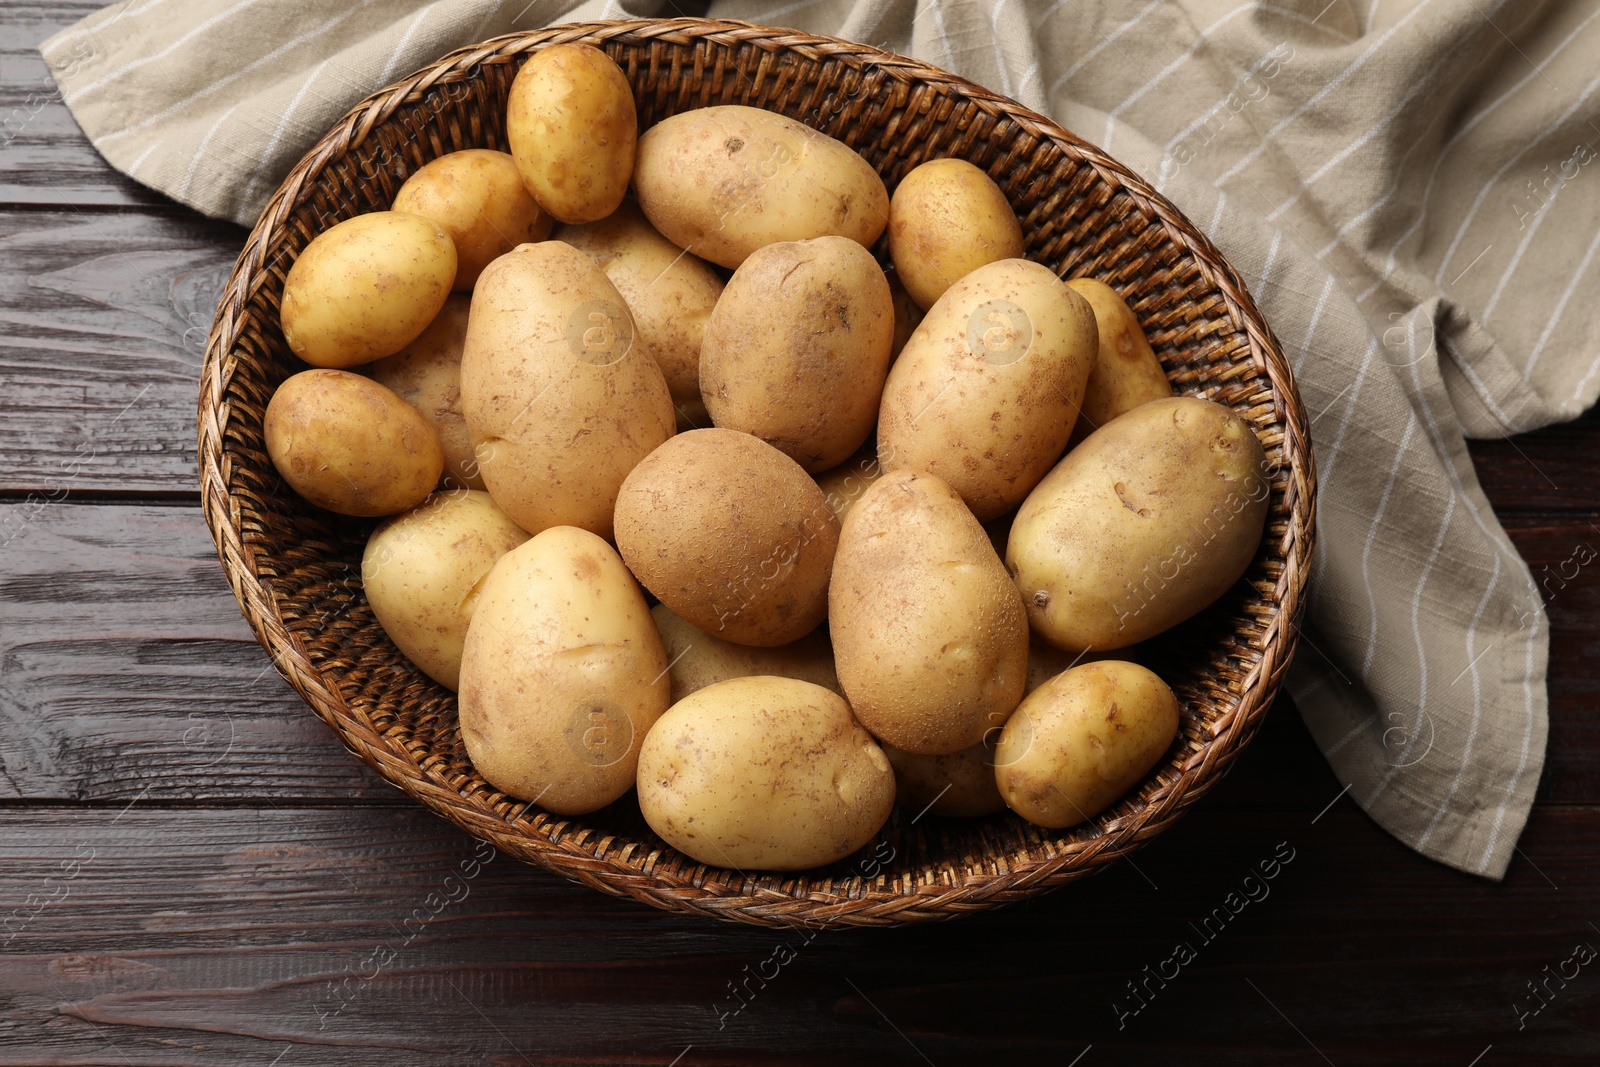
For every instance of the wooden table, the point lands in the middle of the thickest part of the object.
(193, 871)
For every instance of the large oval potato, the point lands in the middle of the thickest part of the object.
(947, 218)
(347, 444)
(366, 287)
(959, 785)
(985, 393)
(797, 349)
(699, 659)
(560, 402)
(421, 573)
(427, 375)
(764, 774)
(929, 636)
(572, 129)
(670, 293)
(731, 534)
(477, 197)
(724, 181)
(562, 674)
(1083, 739)
(1126, 372)
(1141, 526)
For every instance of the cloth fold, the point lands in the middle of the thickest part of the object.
(1408, 187)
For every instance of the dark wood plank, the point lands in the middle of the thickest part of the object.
(1550, 470)
(376, 935)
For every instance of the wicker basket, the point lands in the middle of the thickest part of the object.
(296, 570)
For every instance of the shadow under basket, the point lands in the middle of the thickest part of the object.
(297, 570)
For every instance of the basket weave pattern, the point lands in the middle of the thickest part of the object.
(296, 570)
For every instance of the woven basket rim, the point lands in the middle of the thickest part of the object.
(975, 890)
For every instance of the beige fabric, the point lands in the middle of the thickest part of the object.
(1409, 187)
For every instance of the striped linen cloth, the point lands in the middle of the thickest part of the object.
(1409, 188)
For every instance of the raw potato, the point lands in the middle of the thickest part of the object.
(560, 402)
(1082, 740)
(959, 785)
(670, 293)
(929, 636)
(907, 315)
(724, 181)
(699, 660)
(572, 129)
(987, 389)
(847, 483)
(731, 534)
(421, 572)
(365, 288)
(947, 219)
(1126, 372)
(1045, 661)
(347, 444)
(427, 375)
(477, 197)
(562, 675)
(1145, 523)
(798, 347)
(764, 774)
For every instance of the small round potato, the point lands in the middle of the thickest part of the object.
(347, 444)
(798, 347)
(959, 785)
(947, 219)
(699, 660)
(478, 198)
(1083, 739)
(421, 572)
(562, 674)
(1126, 372)
(572, 128)
(731, 534)
(427, 375)
(764, 774)
(366, 287)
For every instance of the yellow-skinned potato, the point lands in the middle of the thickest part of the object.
(985, 393)
(959, 785)
(366, 287)
(724, 181)
(1083, 739)
(699, 660)
(948, 218)
(730, 534)
(929, 636)
(427, 375)
(560, 402)
(477, 197)
(764, 773)
(572, 128)
(847, 483)
(421, 572)
(1142, 525)
(562, 675)
(1045, 661)
(798, 347)
(347, 444)
(1126, 372)
(670, 293)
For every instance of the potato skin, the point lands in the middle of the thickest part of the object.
(562, 674)
(1126, 372)
(985, 393)
(929, 636)
(560, 403)
(347, 444)
(573, 131)
(698, 660)
(724, 181)
(1145, 523)
(421, 572)
(959, 785)
(730, 534)
(477, 197)
(427, 375)
(1083, 739)
(670, 293)
(797, 349)
(948, 218)
(764, 774)
(365, 288)
(846, 484)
